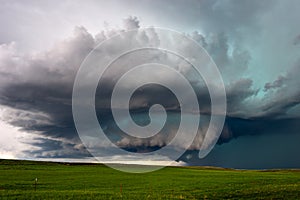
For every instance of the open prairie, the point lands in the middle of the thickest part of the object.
(96, 181)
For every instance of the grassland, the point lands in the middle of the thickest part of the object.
(94, 181)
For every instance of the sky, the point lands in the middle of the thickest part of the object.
(254, 43)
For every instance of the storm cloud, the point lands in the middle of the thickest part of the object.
(257, 57)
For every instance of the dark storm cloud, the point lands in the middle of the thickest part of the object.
(265, 144)
(43, 86)
(58, 148)
(241, 127)
(38, 87)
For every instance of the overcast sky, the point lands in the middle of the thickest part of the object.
(254, 43)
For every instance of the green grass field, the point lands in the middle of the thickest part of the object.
(93, 181)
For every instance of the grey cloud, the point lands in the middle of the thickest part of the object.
(199, 38)
(276, 84)
(54, 148)
(231, 59)
(39, 86)
(286, 97)
(237, 92)
(131, 23)
(296, 40)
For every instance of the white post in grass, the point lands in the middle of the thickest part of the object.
(35, 183)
